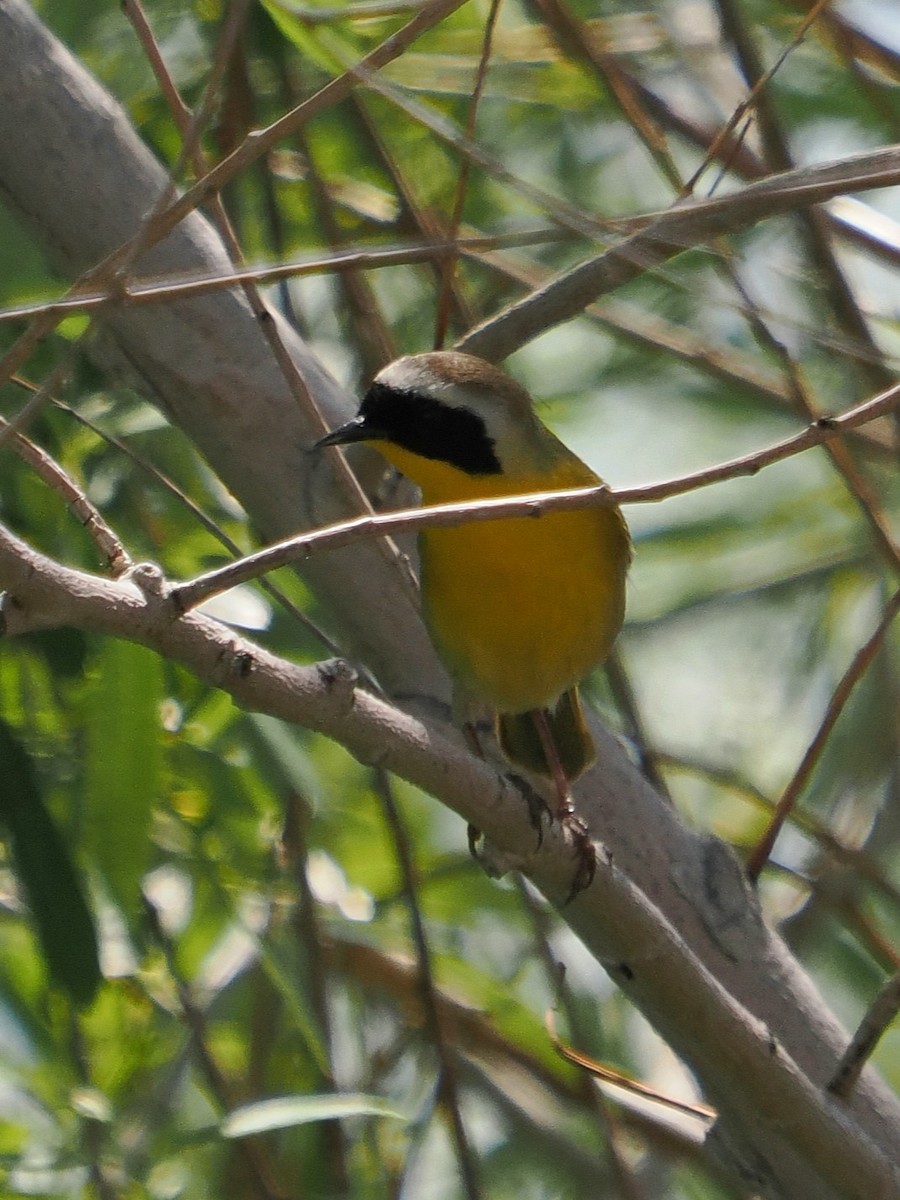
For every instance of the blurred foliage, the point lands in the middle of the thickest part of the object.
(246, 881)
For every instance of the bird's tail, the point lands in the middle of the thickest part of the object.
(521, 743)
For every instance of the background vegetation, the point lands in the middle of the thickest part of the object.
(273, 919)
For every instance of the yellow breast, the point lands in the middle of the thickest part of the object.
(520, 610)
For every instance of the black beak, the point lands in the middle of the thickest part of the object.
(354, 431)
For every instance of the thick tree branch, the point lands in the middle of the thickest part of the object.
(670, 917)
(75, 172)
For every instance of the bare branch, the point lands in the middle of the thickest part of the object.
(683, 226)
(858, 667)
(884, 1008)
(671, 919)
(188, 595)
(104, 537)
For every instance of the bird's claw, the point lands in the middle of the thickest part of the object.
(570, 823)
(585, 852)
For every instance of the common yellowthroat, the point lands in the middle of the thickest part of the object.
(520, 609)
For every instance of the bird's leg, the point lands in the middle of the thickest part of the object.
(537, 809)
(565, 812)
(564, 807)
(470, 733)
(473, 741)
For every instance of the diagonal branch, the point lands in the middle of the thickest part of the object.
(188, 595)
(670, 919)
(682, 227)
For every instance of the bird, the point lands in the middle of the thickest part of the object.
(519, 609)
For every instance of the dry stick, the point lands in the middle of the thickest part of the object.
(104, 538)
(462, 182)
(296, 384)
(200, 516)
(761, 81)
(448, 1086)
(777, 149)
(656, 333)
(182, 287)
(882, 1012)
(681, 227)
(187, 595)
(702, 1112)
(851, 677)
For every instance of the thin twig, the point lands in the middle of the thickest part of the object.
(448, 1087)
(253, 147)
(594, 1099)
(861, 661)
(103, 536)
(758, 83)
(609, 1074)
(450, 265)
(187, 595)
(212, 527)
(307, 930)
(250, 1149)
(183, 287)
(880, 1015)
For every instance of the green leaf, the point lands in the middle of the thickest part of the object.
(284, 1111)
(123, 767)
(61, 914)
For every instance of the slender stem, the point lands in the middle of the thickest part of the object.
(187, 595)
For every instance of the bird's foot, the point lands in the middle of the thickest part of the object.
(585, 851)
(538, 813)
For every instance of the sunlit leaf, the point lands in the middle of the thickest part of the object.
(283, 1111)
